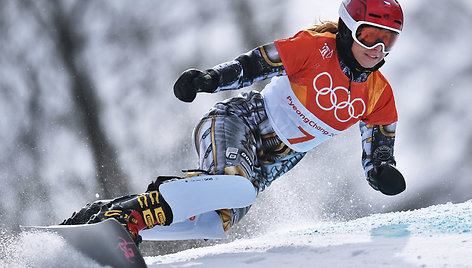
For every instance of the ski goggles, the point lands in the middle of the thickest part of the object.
(369, 35)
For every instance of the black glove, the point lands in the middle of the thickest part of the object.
(386, 179)
(192, 81)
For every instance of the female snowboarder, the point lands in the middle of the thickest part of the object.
(324, 80)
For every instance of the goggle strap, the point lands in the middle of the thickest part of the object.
(347, 19)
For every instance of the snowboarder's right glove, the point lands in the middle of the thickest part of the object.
(192, 81)
(386, 179)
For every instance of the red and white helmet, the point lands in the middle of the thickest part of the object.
(373, 22)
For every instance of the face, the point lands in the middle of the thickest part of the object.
(367, 58)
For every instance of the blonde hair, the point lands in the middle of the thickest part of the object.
(324, 26)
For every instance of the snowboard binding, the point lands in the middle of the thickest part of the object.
(134, 212)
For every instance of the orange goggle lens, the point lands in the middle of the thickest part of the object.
(369, 36)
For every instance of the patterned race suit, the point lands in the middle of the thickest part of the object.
(313, 96)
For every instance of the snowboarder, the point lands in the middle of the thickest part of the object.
(324, 80)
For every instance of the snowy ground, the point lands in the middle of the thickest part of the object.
(438, 236)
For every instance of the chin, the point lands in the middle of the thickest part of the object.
(370, 64)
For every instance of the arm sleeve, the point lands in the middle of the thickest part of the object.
(281, 57)
(377, 145)
(258, 64)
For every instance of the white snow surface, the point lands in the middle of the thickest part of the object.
(437, 236)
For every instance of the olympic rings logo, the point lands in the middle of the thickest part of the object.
(336, 104)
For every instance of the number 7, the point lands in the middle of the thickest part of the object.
(307, 137)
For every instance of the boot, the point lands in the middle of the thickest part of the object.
(134, 212)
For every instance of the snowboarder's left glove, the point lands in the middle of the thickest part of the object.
(192, 81)
(386, 179)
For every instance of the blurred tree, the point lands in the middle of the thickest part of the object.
(34, 193)
(62, 22)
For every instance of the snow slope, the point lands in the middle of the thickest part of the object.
(438, 236)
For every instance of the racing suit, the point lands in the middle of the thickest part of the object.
(312, 97)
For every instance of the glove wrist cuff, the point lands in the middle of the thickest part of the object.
(210, 81)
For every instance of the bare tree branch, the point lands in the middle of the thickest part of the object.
(69, 43)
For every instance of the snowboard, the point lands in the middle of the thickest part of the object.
(107, 242)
